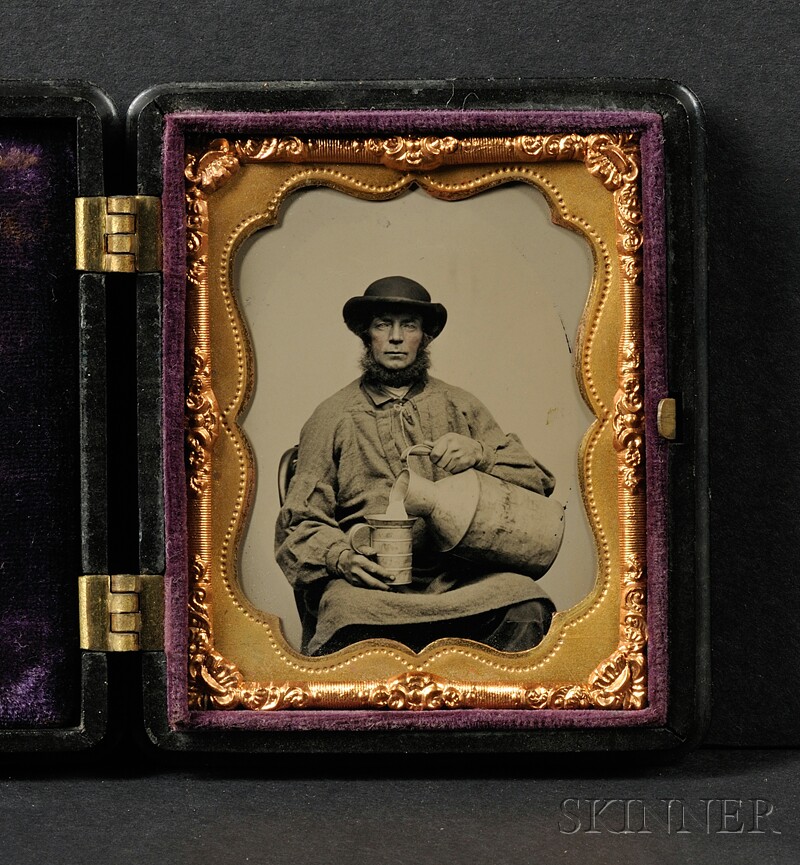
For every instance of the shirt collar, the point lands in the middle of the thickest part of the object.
(380, 397)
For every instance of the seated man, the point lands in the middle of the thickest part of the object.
(349, 457)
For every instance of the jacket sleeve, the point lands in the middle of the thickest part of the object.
(504, 456)
(308, 540)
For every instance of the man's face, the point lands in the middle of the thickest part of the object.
(395, 338)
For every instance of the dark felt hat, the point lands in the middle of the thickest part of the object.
(394, 291)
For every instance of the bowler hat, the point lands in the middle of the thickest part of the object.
(394, 291)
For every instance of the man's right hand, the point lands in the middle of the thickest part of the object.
(361, 571)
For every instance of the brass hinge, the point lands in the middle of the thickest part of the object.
(118, 234)
(122, 612)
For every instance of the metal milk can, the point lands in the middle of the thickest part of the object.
(479, 517)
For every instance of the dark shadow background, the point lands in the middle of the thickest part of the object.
(741, 60)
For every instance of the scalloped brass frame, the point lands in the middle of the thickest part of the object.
(594, 656)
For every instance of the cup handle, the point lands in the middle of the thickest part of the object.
(352, 536)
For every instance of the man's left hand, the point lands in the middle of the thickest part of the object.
(456, 453)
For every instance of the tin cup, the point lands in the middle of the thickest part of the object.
(391, 540)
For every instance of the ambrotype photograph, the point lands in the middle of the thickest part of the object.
(399, 409)
(415, 437)
(350, 468)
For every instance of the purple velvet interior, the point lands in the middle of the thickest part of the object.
(39, 491)
(376, 122)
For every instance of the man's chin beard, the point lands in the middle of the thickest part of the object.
(378, 375)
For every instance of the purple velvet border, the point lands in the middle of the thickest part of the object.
(377, 122)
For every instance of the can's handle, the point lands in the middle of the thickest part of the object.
(353, 540)
(420, 450)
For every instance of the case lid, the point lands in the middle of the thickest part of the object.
(53, 510)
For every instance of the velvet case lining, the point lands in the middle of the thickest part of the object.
(39, 457)
(178, 126)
